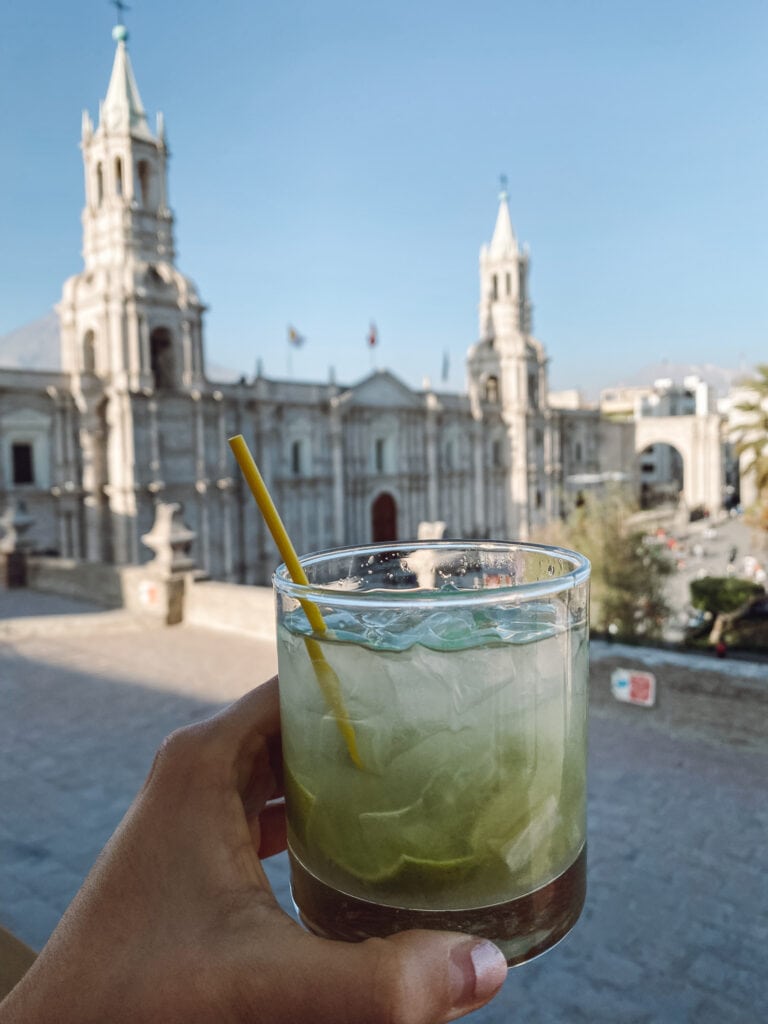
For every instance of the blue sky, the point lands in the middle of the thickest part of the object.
(335, 163)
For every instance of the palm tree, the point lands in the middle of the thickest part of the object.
(751, 434)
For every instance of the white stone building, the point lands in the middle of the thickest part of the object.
(680, 439)
(132, 418)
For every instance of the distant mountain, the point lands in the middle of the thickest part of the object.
(36, 346)
(717, 377)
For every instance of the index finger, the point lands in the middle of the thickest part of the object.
(257, 711)
(246, 736)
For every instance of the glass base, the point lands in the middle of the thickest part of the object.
(522, 928)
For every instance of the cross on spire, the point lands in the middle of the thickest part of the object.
(503, 184)
(120, 6)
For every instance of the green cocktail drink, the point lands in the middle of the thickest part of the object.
(463, 670)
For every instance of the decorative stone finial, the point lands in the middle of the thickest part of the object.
(171, 539)
(14, 523)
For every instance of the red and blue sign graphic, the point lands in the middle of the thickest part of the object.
(632, 686)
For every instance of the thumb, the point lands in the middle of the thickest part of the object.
(415, 977)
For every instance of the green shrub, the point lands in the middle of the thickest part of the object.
(628, 599)
(717, 594)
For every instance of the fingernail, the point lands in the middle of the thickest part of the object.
(478, 970)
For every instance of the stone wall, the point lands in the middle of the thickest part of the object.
(695, 693)
(229, 606)
(138, 589)
(88, 581)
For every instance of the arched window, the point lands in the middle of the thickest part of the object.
(99, 184)
(161, 356)
(118, 176)
(492, 389)
(382, 451)
(533, 389)
(509, 283)
(89, 352)
(296, 459)
(142, 173)
(384, 518)
(22, 460)
(494, 287)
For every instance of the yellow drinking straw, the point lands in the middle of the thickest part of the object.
(326, 676)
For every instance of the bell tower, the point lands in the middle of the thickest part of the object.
(129, 319)
(507, 369)
(505, 311)
(131, 324)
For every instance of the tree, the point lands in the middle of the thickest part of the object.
(716, 594)
(751, 438)
(628, 574)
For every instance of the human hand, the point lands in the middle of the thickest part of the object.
(177, 920)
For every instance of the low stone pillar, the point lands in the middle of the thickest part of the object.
(157, 588)
(430, 530)
(14, 545)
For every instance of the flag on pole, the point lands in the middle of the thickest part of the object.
(294, 338)
(373, 336)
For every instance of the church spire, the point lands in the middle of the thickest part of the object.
(504, 307)
(503, 242)
(131, 317)
(126, 214)
(122, 109)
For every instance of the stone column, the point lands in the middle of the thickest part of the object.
(517, 479)
(480, 514)
(201, 478)
(145, 357)
(267, 438)
(337, 470)
(133, 328)
(432, 460)
(91, 436)
(188, 374)
(120, 489)
(224, 484)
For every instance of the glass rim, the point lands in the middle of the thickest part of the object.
(403, 598)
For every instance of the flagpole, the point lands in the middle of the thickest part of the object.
(373, 339)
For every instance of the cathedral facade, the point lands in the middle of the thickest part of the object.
(132, 419)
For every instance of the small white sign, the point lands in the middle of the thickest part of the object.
(633, 686)
(149, 594)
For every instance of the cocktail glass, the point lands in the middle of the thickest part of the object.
(462, 667)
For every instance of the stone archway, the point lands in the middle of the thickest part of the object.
(661, 473)
(384, 518)
(698, 441)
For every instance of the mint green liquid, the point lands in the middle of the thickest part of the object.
(471, 727)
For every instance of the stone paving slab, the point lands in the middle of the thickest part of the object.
(676, 921)
(19, 603)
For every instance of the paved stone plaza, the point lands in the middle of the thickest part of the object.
(676, 923)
